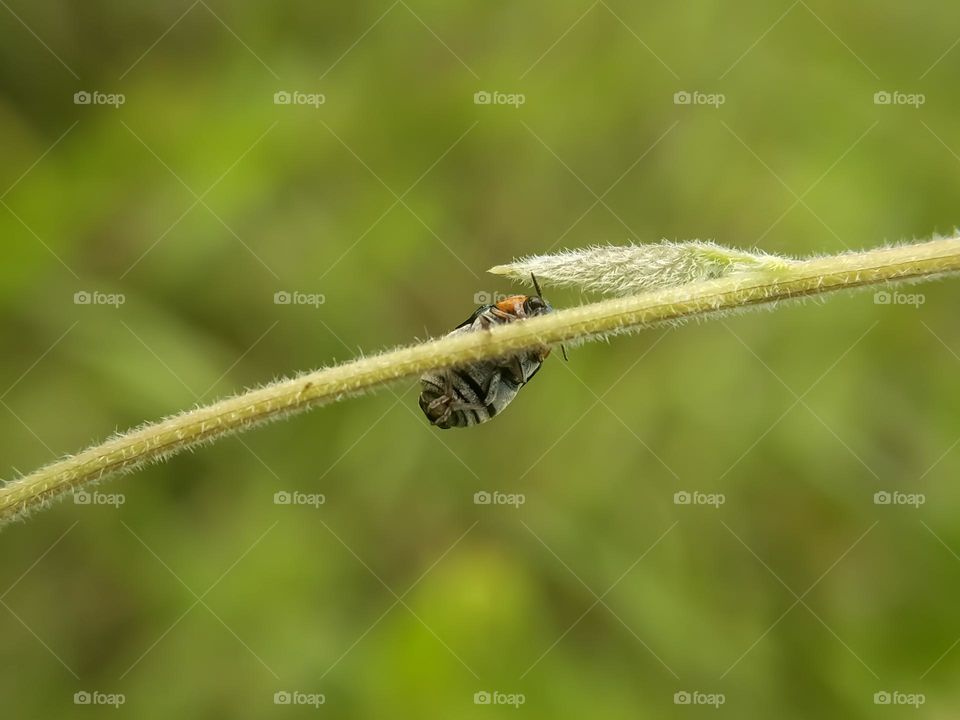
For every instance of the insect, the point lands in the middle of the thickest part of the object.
(470, 395)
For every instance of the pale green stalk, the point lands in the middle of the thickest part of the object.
(742, 290)
(632, 269)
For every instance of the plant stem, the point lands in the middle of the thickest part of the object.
(157, 441)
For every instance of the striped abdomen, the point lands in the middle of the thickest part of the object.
(461, 397)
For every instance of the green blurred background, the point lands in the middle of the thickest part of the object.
(199, 198)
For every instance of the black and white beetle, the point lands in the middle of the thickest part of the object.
(472, 394)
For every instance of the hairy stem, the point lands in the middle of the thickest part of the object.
(157, 441)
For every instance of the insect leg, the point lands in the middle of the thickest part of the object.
(437, 402)
(494, 388)
(514, 370)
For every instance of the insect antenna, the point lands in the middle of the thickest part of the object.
(536, 286)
